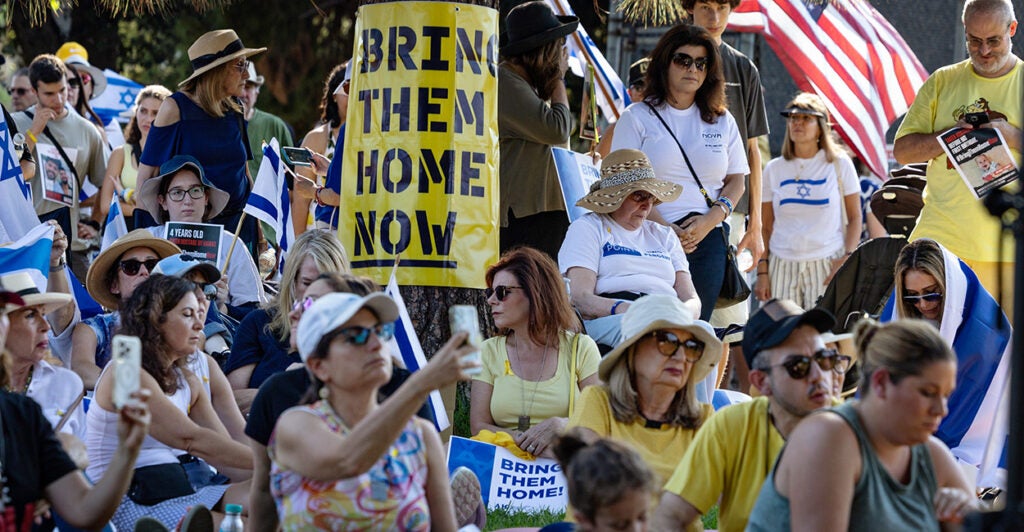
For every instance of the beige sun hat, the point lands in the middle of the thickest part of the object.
(22, 285)
(96, 278)
(215, 48)
(661, 311)
(624, 172)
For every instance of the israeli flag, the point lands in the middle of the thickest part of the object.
(118, 98)
(269, 200)
(31, 254)
(17, 215)
(116, 227)
(406, 343)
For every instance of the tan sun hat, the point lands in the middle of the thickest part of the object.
(215, 48)
(22, 285)
(96, 278)
(624, 172)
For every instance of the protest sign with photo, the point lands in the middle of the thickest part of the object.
(509, 481)
(981, 158)
(201, 241)
(576, 172)
(57, 179)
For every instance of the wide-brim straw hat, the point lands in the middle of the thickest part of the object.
(22, 286)
(661, 311)
(96, 278)
(624, 172)
(534, 24)
(77, 57)
(148, 196)
(215, 48)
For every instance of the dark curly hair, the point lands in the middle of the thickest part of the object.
(710, 97)
(143, 314)
(329, 113)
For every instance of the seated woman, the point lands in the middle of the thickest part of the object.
(182, 193)
(58, 390)
(894, 474)
(112, 278)
(165, 313)
(537, 365)
(614, 254)
(648, 398)
(261, 339)
(345, 461)
(934, 285)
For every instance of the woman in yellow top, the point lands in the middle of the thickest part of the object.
(528, 380)
(649, 397)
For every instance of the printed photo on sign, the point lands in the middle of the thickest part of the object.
(57, 179)
(508, 481)
(981, 157)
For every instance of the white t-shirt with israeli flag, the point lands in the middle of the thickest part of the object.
(805, 198)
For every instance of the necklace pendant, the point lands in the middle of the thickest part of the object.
(524, 423)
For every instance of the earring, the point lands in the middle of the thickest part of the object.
(324, 392)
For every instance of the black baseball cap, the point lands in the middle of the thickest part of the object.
(638, 70)
(773, 323)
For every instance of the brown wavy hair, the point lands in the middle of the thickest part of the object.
(541, 66)
(143, 314)
(925, 256)
(550, 311)
(132, 133)
(710, 97)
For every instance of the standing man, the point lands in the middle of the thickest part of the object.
(262, 126)
(991, 81)
(22, 95)
(57, 135)
(730, 456)
(745, 98)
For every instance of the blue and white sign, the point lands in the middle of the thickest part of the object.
(509, 481)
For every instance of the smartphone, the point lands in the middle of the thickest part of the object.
(976, 119)
(297, 156)
(463, 318)
(127, 359)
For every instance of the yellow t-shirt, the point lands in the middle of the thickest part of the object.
(551, 398)
(951, 214)
(729, 458)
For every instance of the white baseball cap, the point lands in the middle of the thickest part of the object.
(333, 310)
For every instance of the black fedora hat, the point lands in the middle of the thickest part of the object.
(534, 24)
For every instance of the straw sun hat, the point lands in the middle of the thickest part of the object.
(96, 278)
(624, 172)
(20, 285)
(215, 48)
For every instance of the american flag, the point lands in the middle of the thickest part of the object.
(848, 54)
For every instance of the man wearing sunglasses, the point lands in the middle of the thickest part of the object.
(22, 95)
(732, 453)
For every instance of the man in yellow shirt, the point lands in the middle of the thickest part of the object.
(731, 454)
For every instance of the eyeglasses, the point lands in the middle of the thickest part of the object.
(74, 83)
(931, 298)
(178, 194)
(19, 91)
(303, 304)
(131, 266)
(641, 196)
(358, 336)
(685, 61)
(242, 65)
(209, 290)
(798, 366)
(669, 344)
(500, 291)
(801, 117)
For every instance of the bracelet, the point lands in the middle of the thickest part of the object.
(615, 306)
(724, 208)
(727, 202)
(762, 273)
(31, 136)
(316, 196)
(59, 267)
(759, 261)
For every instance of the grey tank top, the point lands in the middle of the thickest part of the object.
(879, 501)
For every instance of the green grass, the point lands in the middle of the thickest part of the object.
(505, 517)
(711, 519)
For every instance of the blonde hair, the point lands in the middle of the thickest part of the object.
(904, 348)
(209, 94)
(685, 411)
(826, 141)
(329, 255)
(925, 256)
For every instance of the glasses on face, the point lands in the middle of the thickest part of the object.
(74, 84)
(638, 86)
(303, 304)
(798, 366)
(685, 61)
(131, 266)
(19, 91)
(242, 65)
(931, 298)
(800, 117)
(358, 336)
(669, 344)
(178, 194)
(500, 291)
(641, 196)
(209, 290)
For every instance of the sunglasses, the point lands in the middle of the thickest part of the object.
(798, 366)
(178, 194)
(638, 86)
(641, 196)
(74, 83)
(19, 91)
(500, 291)
(303, 303)
(131, 266)
(931, 298)
(669, 344)
(209, 290)
(358, 336)
(685, 61)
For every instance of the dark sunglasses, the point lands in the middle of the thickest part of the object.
(641, 196)
(74, 83)
(931, 298)
(669, 344)
(19, 91)
(131, 266)
(638, 85)
(685, 61)
(500, 291)
(358, 336)
(178, 194)
(209, 290)
(798, 366)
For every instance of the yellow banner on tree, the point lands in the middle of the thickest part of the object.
(420, 174)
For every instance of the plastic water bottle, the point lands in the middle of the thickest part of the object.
(233, 521)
